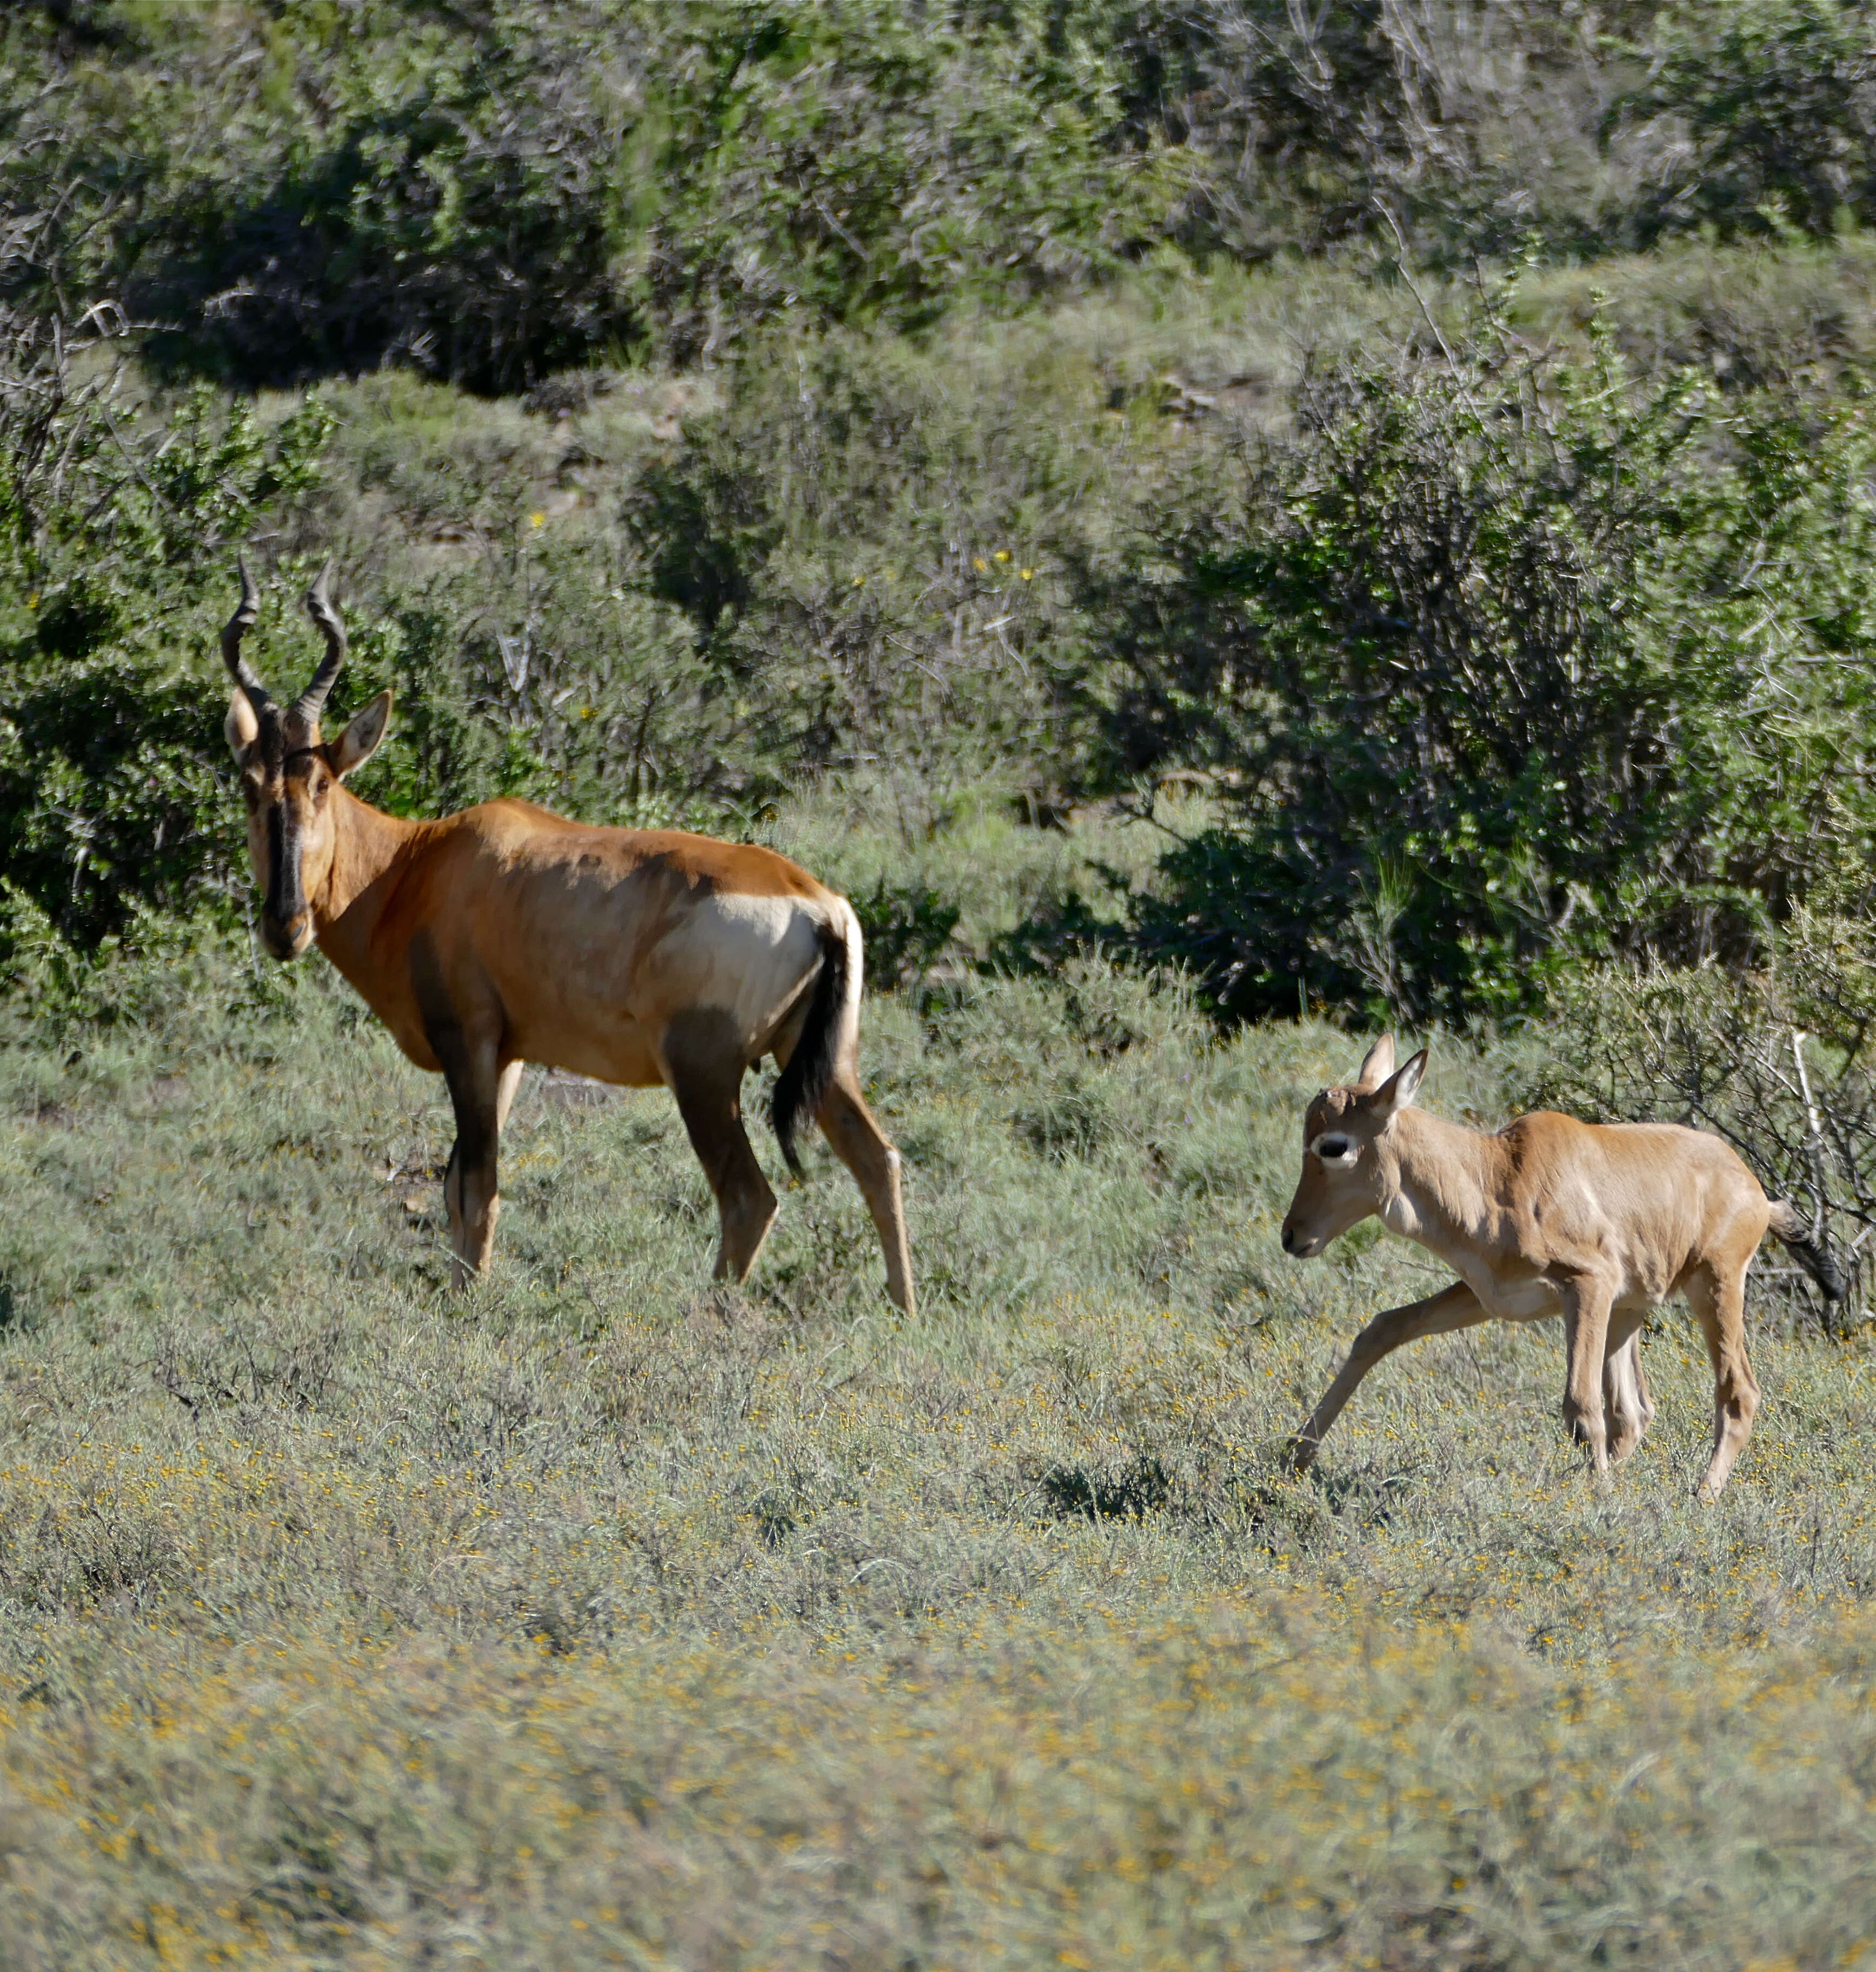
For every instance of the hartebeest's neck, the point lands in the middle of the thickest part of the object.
(368, 847)
(1445, 1183)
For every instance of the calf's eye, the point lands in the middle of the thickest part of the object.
(1332, 1147)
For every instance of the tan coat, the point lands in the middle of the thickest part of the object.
(1596, 1222)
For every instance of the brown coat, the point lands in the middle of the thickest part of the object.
(505, 934)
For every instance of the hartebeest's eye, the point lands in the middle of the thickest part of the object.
(1334, 1149)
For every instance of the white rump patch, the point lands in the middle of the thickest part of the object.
(748, 955)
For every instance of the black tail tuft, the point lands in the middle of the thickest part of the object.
(803, 1083)
(1820, 1266)
(1815, 1259)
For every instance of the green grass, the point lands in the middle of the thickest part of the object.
(601, 1619)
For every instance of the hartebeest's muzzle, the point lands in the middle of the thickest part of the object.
(285, 923)
(288, 940)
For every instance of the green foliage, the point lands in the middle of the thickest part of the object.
(111, 803)
(861, 536)
(1501, 661)
(905, 927)
(1766, 110)
(1458, 129)
(493, 196)
(600, 702)
(494, 193)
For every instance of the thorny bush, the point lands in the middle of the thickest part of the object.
(1501, 660)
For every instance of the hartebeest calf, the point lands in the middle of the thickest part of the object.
(1595, 1222)
(506, 935)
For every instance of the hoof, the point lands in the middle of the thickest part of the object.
(1297, 1455)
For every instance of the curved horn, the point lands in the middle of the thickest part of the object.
(242, 621)
(311, 702)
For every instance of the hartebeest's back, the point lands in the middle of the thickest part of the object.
(506, 934)
(1595, 1222)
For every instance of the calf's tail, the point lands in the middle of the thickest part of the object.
(1790, 1227)
(802, 1085)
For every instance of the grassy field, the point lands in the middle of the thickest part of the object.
(601, 1619)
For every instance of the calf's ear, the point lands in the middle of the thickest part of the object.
(1377, 1064)
(1398, 1093)
(359, 741)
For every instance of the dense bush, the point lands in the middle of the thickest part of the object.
(1755, 115)
(1500, 661)
(495, 194)
(111, 804)
(1458, 129)
(1776, 1061)
(862, 538)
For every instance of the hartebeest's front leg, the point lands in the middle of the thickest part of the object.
(1587, 1301)
(482, 1098)
(464, 1024)
(1453, 1308)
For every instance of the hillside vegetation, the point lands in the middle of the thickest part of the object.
(1221, 528)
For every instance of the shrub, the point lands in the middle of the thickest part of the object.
(491, 195)
(1458, 129)
(544, 677)
(862, 537)
(1774, 1061)
(1501, 661)
(1755, 115)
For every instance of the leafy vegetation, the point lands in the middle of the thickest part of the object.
(495, 196)
(1507, 662)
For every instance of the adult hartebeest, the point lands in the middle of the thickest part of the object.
(1595, 1222)
(506, 935)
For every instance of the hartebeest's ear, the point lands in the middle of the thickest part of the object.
(1377, 1064)
(1398, 1093)
(241, 726)
(360, 740)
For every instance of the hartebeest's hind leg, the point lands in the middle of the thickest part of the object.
(704, 1064)
(1717, 1297)
(1453, 1308)
(864, 1147)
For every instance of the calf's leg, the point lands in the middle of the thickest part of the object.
(1453, 1308)
(1628, 1410)
(863, 1147)
(1717, 1297)
(1585, 1342)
